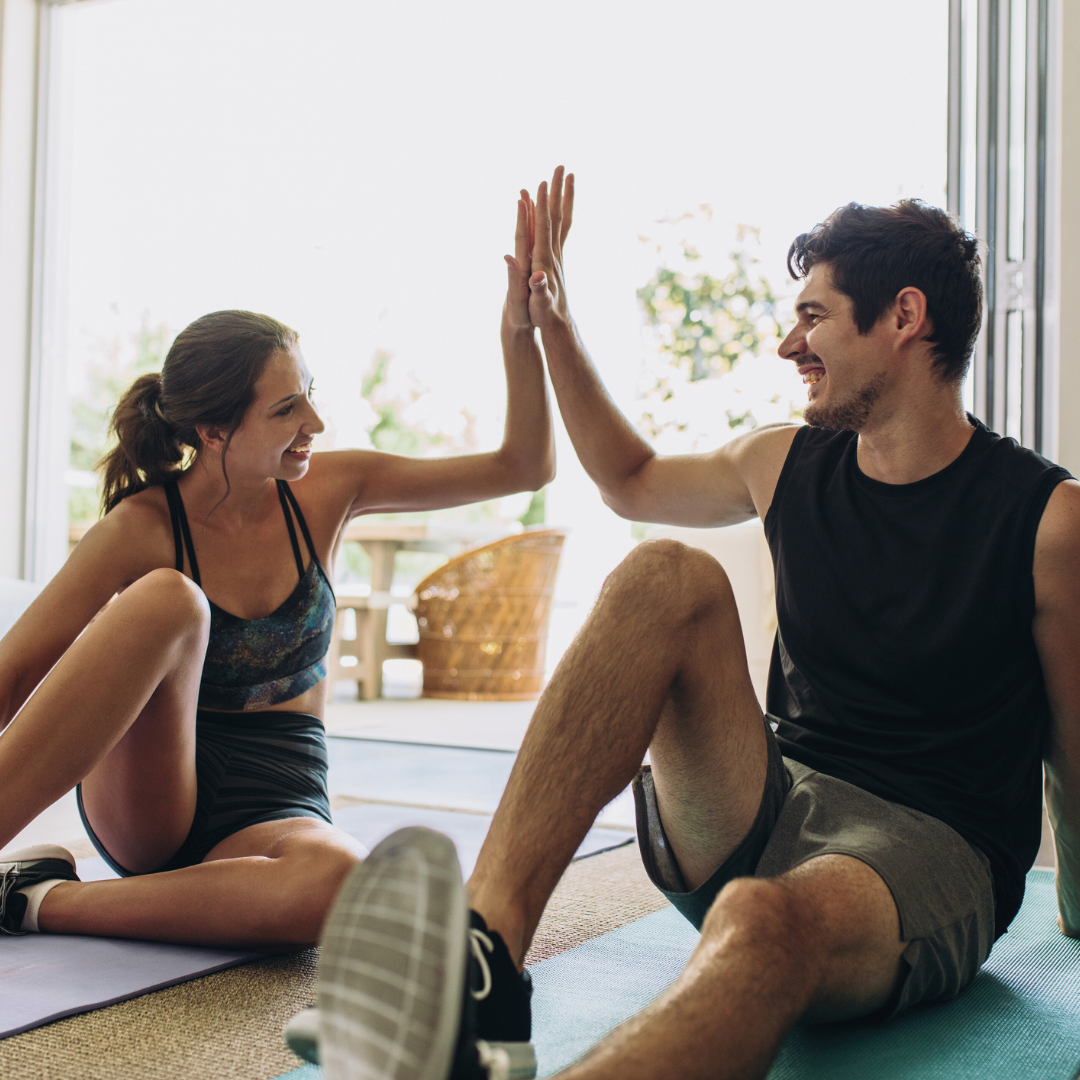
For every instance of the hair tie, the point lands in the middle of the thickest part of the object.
(158, 412)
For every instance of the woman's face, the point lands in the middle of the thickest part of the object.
(274, 438)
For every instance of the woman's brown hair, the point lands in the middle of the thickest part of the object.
(209, 378)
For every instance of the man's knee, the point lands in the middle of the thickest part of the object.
(763, 914)
(670, 577)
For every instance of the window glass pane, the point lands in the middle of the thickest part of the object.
(969, 101)
(1017, 124)
(352, 169)
(1014, 374)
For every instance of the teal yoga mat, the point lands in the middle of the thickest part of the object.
(1020, 1020)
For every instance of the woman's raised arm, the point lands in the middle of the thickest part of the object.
(526, 459)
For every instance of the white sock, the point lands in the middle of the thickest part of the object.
(34, 895)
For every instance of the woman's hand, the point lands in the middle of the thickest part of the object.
(554, 210)
(518, 267)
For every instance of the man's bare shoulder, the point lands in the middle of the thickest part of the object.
(759, 455)
(1057, 543)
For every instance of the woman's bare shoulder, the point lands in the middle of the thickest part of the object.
(137, 534)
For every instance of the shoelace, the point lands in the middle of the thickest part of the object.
(478, 941)
(7, 885)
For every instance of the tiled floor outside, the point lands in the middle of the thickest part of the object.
(403, 766)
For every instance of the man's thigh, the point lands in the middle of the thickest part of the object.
(940, 886)
(849, 913)
(709, 753)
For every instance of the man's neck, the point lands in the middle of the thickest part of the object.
(915, 440)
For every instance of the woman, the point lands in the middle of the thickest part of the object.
(188, 709)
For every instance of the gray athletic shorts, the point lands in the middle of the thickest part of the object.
(941, 884)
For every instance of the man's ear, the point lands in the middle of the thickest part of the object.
(212, 438)
(909, 314)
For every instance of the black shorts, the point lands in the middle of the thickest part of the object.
(250, 767)
(941, 884)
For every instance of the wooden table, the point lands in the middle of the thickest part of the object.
(382, 540)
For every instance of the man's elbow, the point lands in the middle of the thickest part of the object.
(621, 505)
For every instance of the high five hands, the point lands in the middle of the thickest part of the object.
(536, 296)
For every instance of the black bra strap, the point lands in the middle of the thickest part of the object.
(180, 528)
(282, 488)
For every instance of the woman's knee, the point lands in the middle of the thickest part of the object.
(312, 880)
(168, 594)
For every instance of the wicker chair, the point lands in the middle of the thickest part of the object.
(483, 619)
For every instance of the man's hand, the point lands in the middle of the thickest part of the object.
(518, 266)
(554, 210)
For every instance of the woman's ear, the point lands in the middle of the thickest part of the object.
(212, 438)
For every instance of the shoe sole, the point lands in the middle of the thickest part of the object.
(38, 853)
(522, 1058)
(392, 971)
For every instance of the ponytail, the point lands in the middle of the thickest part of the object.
(147, 449)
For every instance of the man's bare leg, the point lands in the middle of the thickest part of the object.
(660, 663)
(771, 951)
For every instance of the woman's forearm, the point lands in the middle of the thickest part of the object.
(528, 445)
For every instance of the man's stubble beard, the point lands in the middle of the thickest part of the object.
(850, 414)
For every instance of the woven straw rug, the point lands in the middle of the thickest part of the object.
(228, 1026)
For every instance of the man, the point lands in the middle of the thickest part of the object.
(860, 850)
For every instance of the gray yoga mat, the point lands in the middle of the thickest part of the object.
(45, 977)
(1020, 1019)
(370, 823)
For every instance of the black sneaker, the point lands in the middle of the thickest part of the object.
(392, 975)
(28, 866)
(502, 997)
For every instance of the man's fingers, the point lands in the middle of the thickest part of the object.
(542, 242)
(538, 286)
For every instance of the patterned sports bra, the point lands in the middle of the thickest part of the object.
(253, 663)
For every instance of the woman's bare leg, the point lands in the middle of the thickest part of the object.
(267, 887)
(118, 713)
(117, 710)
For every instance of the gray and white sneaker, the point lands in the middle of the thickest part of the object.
(29, 866)
(392, 1001)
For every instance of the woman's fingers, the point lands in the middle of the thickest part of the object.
(530, 208)
(567, 208)
(521, 234)
(555, 203)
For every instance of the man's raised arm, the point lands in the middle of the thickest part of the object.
(730, 484)
(1057, 635)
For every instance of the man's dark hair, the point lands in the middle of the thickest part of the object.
(875, 251)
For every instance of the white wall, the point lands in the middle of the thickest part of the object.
(18, 85)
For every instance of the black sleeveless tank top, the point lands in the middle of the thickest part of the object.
(904, 661)
(253, 663)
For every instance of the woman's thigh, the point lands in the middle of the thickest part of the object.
(140, 798)
(307, 862)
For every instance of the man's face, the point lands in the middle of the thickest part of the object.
(845, 371)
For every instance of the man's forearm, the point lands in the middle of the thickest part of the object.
(606, 442)
(1063, 809)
